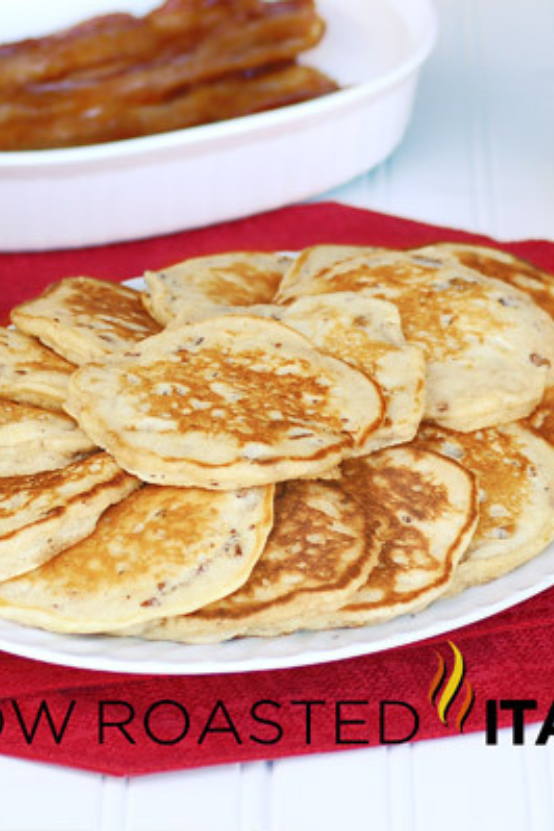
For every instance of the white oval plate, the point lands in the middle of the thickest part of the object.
(300, 649)
(189, 178)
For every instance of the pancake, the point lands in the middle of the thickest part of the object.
(224, 403)
(515, 471)
(502, 266)
(366, 334)
(322, 547)
(84, 319)
(160, 551)
(33, 440)
(541, 421)
(43, 513)
(239, 278)
(30, 373)
(489, 348)
(431, 510)
(316, 261)
(414, 513)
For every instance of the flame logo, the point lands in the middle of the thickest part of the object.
(451, 689)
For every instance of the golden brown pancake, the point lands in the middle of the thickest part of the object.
(225, 403)
(43, 513)
(314, 262)
(322, 547)
(30, 373)
(515, 472)
(431, 512)
(33, 440)
(84, 319)
(366, 334)
(471, 327)
(160, 551)
(240, 278)
(407, 514)
(541, 421)
(501, 266)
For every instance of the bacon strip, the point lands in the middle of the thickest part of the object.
(125, 40)
(238, 47)
(122, 39)
(229, 98)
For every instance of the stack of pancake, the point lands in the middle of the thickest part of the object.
(258, 444)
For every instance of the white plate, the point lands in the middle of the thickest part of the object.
(189, 178)
(301, 649)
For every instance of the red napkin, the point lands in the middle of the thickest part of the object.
(23, 275)
(122, 724)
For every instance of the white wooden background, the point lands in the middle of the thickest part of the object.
(479, 155)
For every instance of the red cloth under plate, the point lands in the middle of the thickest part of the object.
(190, 721)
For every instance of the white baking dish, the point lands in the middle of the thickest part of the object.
(188, 178)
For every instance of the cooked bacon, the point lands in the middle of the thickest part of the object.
(125, 40)
(115, 38)
(94, 81)
(231, 97)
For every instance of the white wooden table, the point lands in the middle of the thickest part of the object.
(479, 155)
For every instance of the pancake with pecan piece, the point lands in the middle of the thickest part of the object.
(84, 319)
(33, 440)
(322, 547)
(515, 472)
(30, 373)
(366, 334)
(431, 509)
(43, 513)
(316, 261)
(404, 516)
(541, 421)
(225, 403)
(501, 266)
(489, 347)
(239, 278)
(162, 551)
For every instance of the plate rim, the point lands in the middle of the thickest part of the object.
(398, 633)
